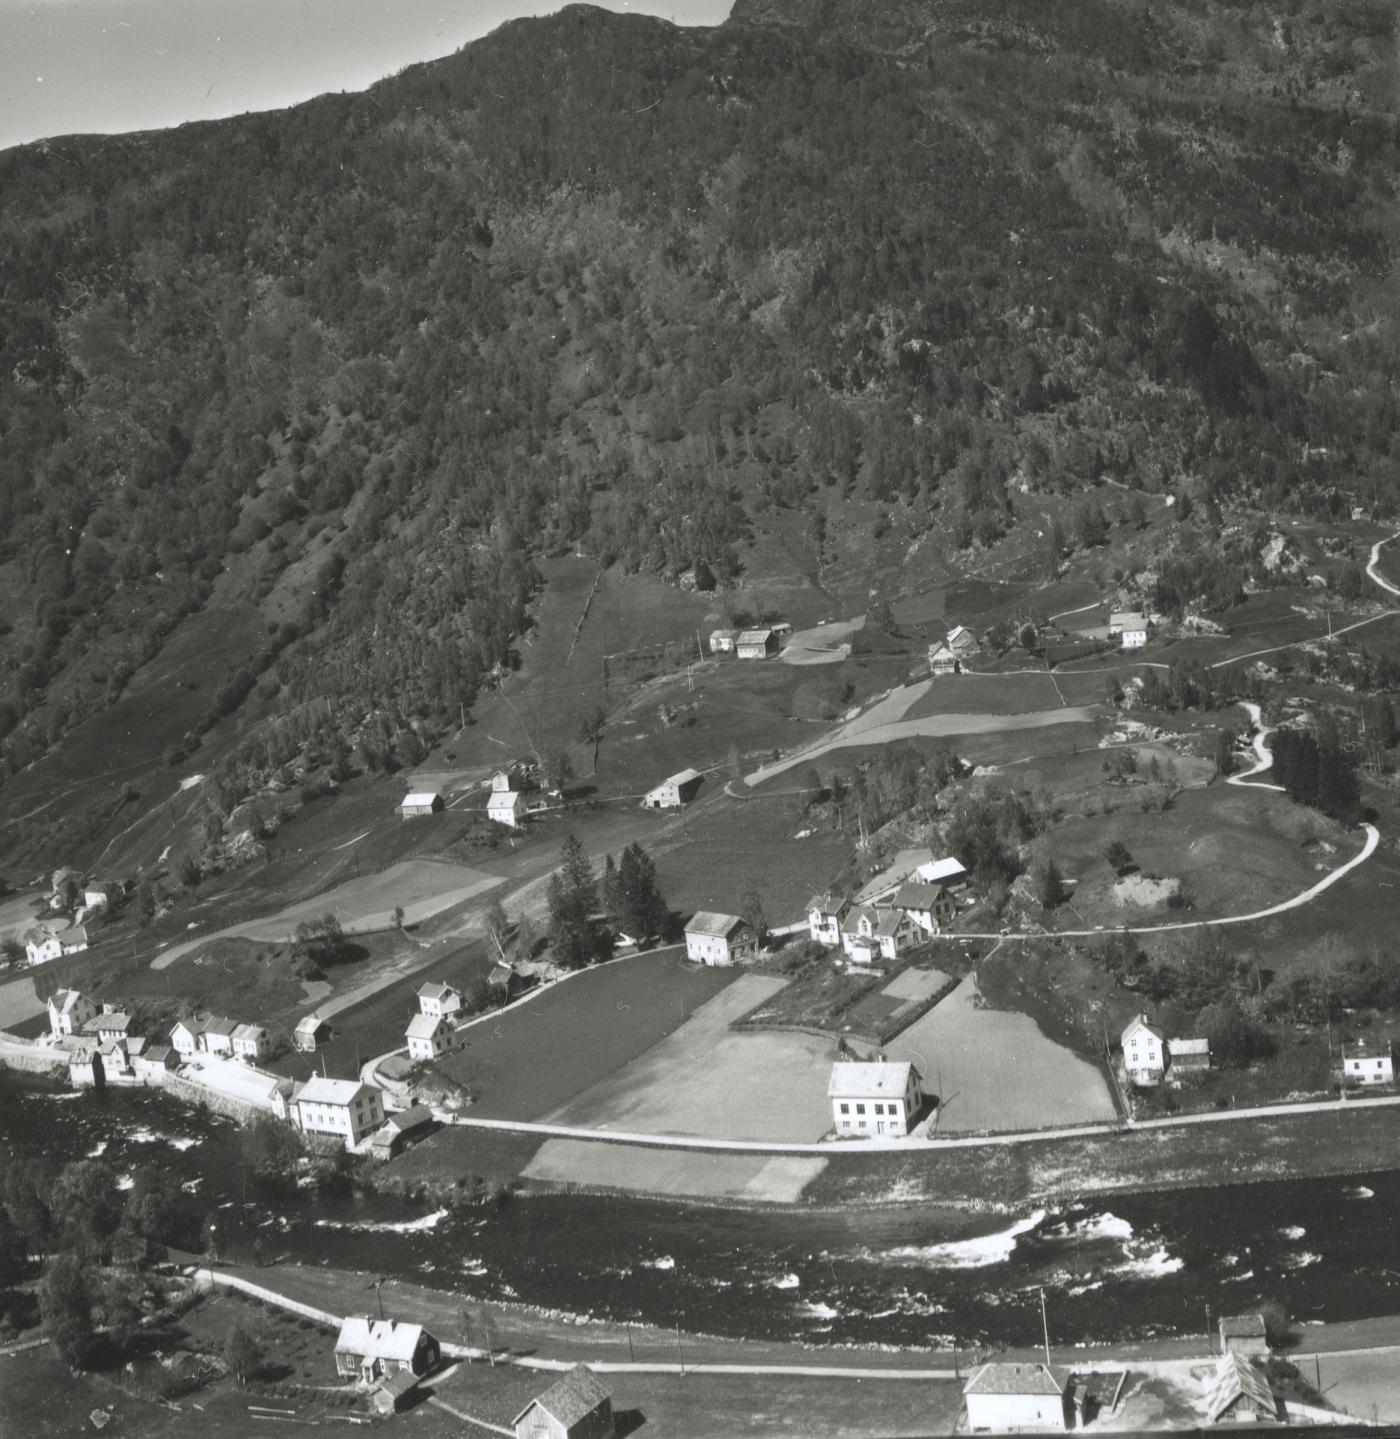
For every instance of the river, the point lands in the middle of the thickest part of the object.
(1133, 1266)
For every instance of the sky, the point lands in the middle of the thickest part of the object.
(71, 66)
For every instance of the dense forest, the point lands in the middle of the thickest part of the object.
(597, 282)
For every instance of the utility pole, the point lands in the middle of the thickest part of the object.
(1045, 1328)
(680, 1349)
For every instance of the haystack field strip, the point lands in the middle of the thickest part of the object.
(998, 1072)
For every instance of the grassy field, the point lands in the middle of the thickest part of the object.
(705, 1080)
(987, 695)
(996, 1071)
(527, 1062)
(676, 1173)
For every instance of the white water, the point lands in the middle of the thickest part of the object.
(402, 1226)
(820, 1311)
(1293, 1231)
(1360, 1191)
(664, 1262)
(1096, 1226)
(786, 1281)
(968, 1253)
(1156, 1265)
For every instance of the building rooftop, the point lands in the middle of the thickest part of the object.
(378, 1338)
(419, 797)
(320, 1090)
(1235, 1378)
(705, 921)
(1242, 1326)
(309, 1023)
(753, 637)
(1183, 1048)
(1141, 1021)
(914, 894)
(435, 989)
(828, 903)
(1016, 1379)
(684, 776)
(869, 1079)
(574, 1397)
(249, 1031)
(424, 1026)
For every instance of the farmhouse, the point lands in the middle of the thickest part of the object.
(929, 906)
(506, 806)
(825, 913)
(872, 934)
(40, 946)
(420, 803)
(310, 1031)
(439, 999)
(69, 1011)
(74, 939)
(185, 1036)
(962, 642)
(250, 1042)
(217, 1036)
(1001, 1398)
(1368, 1062)
(874, 1097)
(1188, 1057)
(941, 659)
(719, 938)
(756, 644)
(1239, 1393)
(1243, 1334)
(370, 1349)
(428, 1036)
(722, 641)
(675, 791)
(344, 1108)
(577, 1407)
(1144, 1052)
(1131, 627)
(108, 1026)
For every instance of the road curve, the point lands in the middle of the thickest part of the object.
(1375, 559)
(1263, 759)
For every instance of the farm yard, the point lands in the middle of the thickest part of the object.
(997, 1071)
(526, 1062)
(703, 1080)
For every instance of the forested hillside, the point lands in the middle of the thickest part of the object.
(601, 283)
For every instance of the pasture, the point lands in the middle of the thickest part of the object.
(707, 1082)
(996, 1071)
(525, 1063)
(1011, 693)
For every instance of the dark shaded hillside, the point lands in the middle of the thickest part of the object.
(600, 283)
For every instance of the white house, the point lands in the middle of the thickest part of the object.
(506, 806)
(941, 659)
(110, 1025)
(437, 998)
(874, 1097)
(154, 1062)
(1368, 1062)
(40, 946)
(428, 1036)
(719, 938)
(929, 906)
(1144, 1052)
(344, 1108)
(722, 641)
(370, 1349)
(1006, 1398)
(1130, 626)
(962, 642)
(250, 1042)
(310, 1031)
(825, 913)
(217, 1035)
(184, 1038)
(675, 790)
(870, 934)
(96, 896)
(420, 803)
(69, 1011)
(759, 644)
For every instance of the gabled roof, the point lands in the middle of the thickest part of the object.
(505, 799)
(320, 1090)
(409, 1119)
(1140, 1022)
(720, 926)
(861, 912)
(574, 1397)
(1016, 1379)
(887, 926)
(684, 776)
(425, 1026)
(1367, 1049)
(754, 637)
(1126, 619)
(397, 1385)
(869, 1079)
(309, 1024)
(118, 1022)
(74, 934)
(937, 871)
(435, 989)
(64, 1000)
(221, 1025)
(1235, 1378)
(419, 797)
(1183, 1048)
(914, 895)
(378, 1338)
(960, 634)
(939, 650)
(249, 1031)
(194, 1027)
(157, 1053)
(829, 903)
(1242, 1326)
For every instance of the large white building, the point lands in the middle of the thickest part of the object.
(874, 1098)
(437, 998)
(345, 1108)
(1017, 1398)
(69, 1011)
(719, 939)
(1368, 1062)
(674, 791)
(1144, 1052)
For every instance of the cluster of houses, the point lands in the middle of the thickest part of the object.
(1029, 1397)
(59, 933)
(1149, 1057)
(511, 801)
(914, 898)
(761, 643)
(946, 656)
(389, 1357)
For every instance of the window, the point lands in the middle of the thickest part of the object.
(860, 1109)
(845, 1109)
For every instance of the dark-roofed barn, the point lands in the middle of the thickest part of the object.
(577, 1407)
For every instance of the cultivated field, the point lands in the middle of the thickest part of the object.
(525, 1063)
(705, 1081)
(998, 1072)
(678, 1173)
(979, 694)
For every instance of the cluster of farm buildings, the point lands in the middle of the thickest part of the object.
(73, 910)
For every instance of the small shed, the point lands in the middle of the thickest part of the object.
(1243, 1334)
(760, 644)
(310, 1031)
(675, 790)
(420, 803)
(577, 1407)
(400, 1130)
(395, 1393)
(1188, 1057)
(722, 641)
(1239, 1393)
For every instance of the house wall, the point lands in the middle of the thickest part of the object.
(1369, 1070)
(989, 1413)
